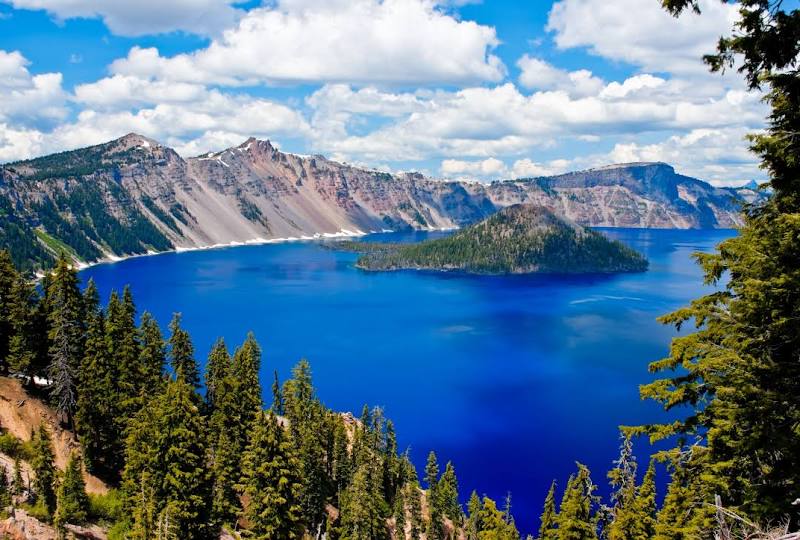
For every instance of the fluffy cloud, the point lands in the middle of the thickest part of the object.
(296, 41)
(29, 100)
(525, 168)
(641, 32)
(718, 155)
(143, 17)
(538, 74)
(488, 168)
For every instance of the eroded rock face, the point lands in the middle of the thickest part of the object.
(134, 195)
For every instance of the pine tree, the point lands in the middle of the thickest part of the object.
(73, 503)
(399, 513)
(121, 336)
(646, 506)
(363, 512)
(435, 530)
(740, 367)
(44, 470)
(22, 343)
(414, 497)
(277, 395)
(218, 367)
(549, 518)
(623, 497)
(494, 524)
(8, 276)
(244, 370)
(447, 492)
(152, 356)
(473, 524)
(226, 473)
(182, 353)
(166, 478)
(65, 337)
(270, 482)
(96, 419)
(5, 489)
(17, 483)
(575, 518)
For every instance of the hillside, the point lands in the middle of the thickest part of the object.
(520, 239)
(134, 196)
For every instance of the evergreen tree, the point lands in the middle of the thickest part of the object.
(447, 493)
(646, 506)
(96, 419)
(575, 518)
(624, 518)
(218, 367)
(494, 524)
(121, 336)
(166, 478)
(17, 483)
(44, 470)
(181, 353)
(5, 489)
(22, 343)
(549, 518)
(435, 530)
(741, 366)
(277, 395)
(65, 337)
(226, 474)
(8, 276)
(307, 423)
(414, 498)
(73, 503)
(363, 511)
(473, 524)
(270, 482)
(244, 370)
(152, 356)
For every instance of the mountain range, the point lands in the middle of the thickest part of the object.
(134, 196)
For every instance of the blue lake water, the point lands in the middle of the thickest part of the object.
(512, 378)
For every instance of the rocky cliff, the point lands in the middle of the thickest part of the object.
(134, 195)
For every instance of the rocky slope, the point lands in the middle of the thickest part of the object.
(519, 239)
(134, 195)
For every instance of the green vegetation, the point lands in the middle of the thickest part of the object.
(55, 245)
(516, 240)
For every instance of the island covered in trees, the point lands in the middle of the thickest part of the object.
(520, 239)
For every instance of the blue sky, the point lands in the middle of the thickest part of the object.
(453, 88)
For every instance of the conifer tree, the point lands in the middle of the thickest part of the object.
(740, 367)
(494, 524)
(447, 493)
(166, 478)
(44, 470)
(575, 517)
(342, 471)
(121, 336)
(73, 503)
(399, 513)
(181, 353)
(21, 310)
(364, 511)
(17, 483)
(152, 356)
(96, 419)
(244, 370)
(8, 275)
(65, 337)
(5, 489)
(473, 525)
(547, 522)
(414, 497)
(226, 472)
(277, 395)
(306, 422)
(218, 367)
(646, 505)
(270, 482)
(435, 530)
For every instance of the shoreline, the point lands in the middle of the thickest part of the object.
(258, 241)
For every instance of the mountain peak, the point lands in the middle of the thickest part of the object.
(131, 140)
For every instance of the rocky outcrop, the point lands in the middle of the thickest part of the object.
(134, 195)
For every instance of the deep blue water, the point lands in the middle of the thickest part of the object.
(511, 378)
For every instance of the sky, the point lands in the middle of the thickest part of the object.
(488, 89)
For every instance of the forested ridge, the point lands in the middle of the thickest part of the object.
(516, 240)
